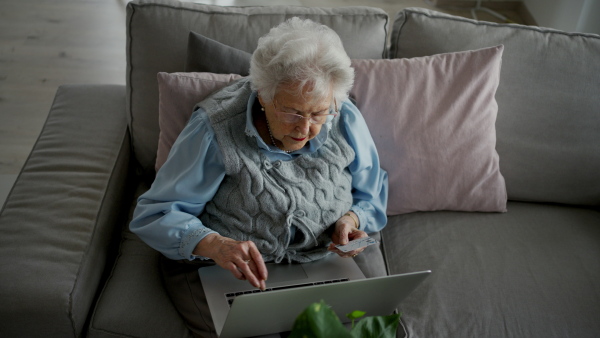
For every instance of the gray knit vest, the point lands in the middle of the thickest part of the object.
(260, 200)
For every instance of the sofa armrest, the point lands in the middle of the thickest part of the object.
(62, 214)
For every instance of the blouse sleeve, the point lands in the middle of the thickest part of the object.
(369, 180)
(166, 215)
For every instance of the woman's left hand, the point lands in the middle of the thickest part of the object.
(344, 232)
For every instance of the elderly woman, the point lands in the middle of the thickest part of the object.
(276, 167)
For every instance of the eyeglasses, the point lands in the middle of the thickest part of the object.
(286, 116)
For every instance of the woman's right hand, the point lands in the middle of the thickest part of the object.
(242, 258)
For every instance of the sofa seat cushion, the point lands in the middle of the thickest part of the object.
(133, 302)
(531, 272)
(548, 102)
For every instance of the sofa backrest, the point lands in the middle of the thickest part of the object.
(548, 125)
(157, 35)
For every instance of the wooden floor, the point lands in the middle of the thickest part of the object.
(46, 43)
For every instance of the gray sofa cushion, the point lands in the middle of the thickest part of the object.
(157, 34)
(531, 272)
(134, 302)
(57, 228)
(208, 55)
(548, 115)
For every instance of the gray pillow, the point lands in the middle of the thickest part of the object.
(203, 52)
(207, 55)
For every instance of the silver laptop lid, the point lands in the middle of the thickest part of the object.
(276, 311)
(218, 282)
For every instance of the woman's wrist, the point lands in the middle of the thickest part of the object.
(203, 247)
(354, 218)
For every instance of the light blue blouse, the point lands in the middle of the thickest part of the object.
(166, 215)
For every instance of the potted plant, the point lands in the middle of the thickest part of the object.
(319, 320)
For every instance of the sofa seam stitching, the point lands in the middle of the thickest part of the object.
(395, 41)
(129, 83)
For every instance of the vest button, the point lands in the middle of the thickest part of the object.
(277, 164)
(299, 213)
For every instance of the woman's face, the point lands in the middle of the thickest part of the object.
(294, 136)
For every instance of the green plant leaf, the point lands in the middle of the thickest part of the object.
(318, 320)
(376, 326)
(355, 314)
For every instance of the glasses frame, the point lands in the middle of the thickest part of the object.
(297, 117)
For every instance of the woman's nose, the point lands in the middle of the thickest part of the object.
(303, 126)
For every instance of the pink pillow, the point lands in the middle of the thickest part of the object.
(178, 94)
(433, 121)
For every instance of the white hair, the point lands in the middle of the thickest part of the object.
(305, 55)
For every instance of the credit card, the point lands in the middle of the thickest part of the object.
(357, 244)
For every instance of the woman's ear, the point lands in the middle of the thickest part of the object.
(260, 100)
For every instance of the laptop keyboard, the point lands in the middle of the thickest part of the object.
(231, 296)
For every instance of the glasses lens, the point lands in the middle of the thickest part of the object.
(295, 118)
(289, 118)
(319, 119)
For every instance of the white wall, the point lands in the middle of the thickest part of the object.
(566, 15)
(589, 21)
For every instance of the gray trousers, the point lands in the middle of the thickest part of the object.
(185, 290)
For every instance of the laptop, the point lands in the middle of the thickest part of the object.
(239, 310)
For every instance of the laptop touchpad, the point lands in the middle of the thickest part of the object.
(285, 272)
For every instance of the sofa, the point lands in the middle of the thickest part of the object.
(490, 134)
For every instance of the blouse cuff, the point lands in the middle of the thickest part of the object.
(362, 218)
(191, 239)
